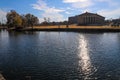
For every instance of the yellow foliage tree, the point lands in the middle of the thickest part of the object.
(14, 19)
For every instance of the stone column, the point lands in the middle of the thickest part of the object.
(94, 19)
(87, 19)
(84, 19)
(90, 19)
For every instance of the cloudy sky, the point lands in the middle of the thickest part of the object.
(60, 10)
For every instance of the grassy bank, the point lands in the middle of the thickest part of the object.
(77, 28)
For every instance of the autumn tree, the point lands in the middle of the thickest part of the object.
(24, 20)
(17, 21)
(14, 19)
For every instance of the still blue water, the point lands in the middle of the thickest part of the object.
(59, 56)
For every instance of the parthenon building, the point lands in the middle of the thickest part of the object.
(87, 19)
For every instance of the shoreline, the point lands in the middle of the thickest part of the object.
(74, 30)
(71, 28)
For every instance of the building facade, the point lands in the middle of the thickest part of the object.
(87, 19)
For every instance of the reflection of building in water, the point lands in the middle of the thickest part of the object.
(84, 62)
(87, 19)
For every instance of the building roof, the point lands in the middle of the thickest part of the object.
(87, 13)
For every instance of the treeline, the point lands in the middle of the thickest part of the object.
(48, 22)
(15, 20)
(45, 23)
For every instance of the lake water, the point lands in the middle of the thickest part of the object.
(59, 56)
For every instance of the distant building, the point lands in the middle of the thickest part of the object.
(87, 19)
(115, 22)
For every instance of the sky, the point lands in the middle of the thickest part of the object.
(60, 10)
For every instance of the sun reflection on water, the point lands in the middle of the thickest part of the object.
(84, 57)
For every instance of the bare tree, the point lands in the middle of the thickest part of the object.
(31, 20)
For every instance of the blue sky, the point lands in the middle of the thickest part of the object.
(60, 10)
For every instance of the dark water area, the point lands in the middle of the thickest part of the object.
(59, 55)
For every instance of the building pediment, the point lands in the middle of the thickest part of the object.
(90, 14)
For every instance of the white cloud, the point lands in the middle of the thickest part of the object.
(67, 12)
(2, 16)
(86, 10)
(73, 1)
(53, 16)
(110, 2)
(108, 13)
(50, 12)
(69, 8)
(84, 4)
(40, 5)
(79, 3)
(112, 11)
